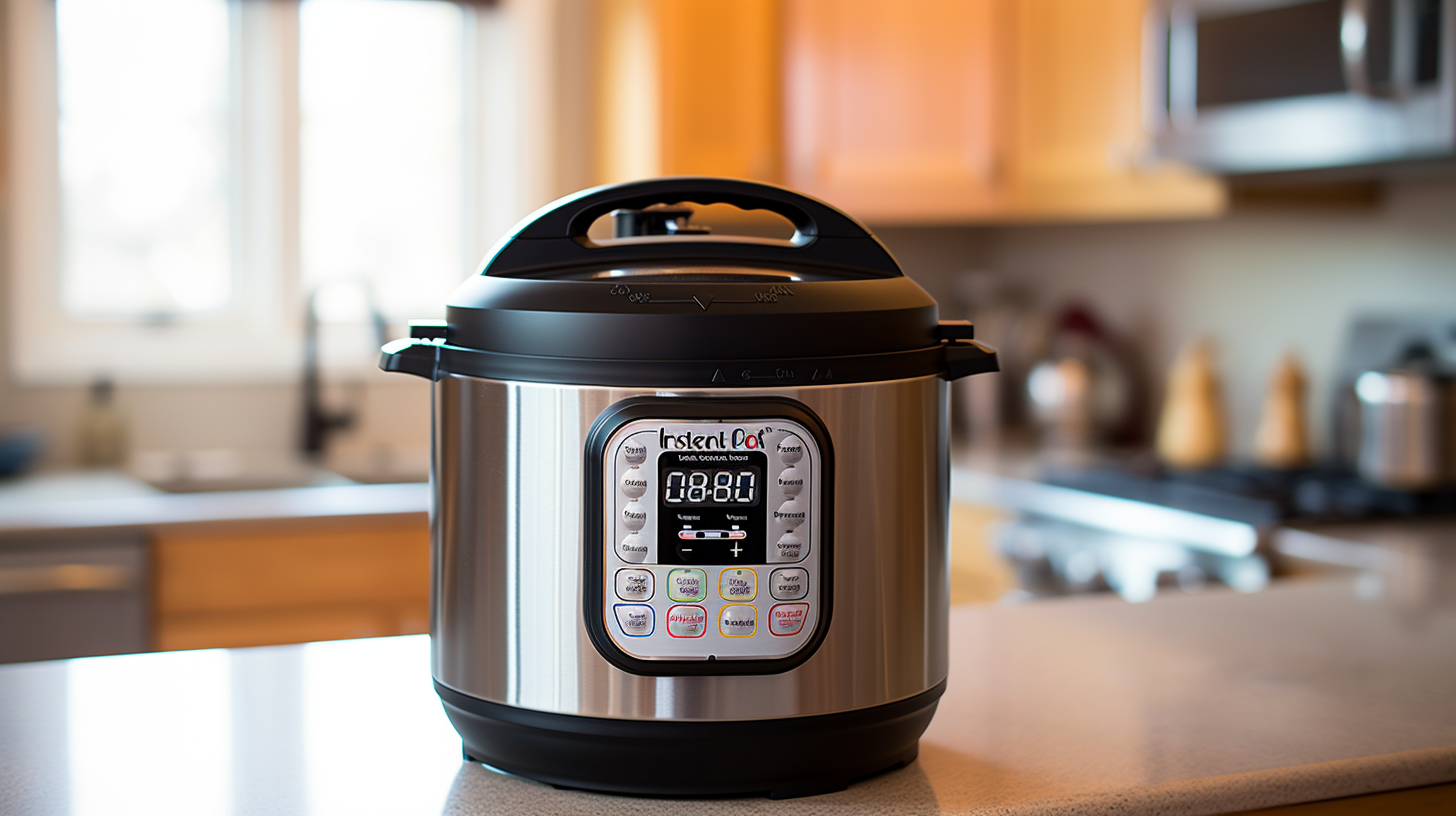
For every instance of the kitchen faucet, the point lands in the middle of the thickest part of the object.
(318, 421)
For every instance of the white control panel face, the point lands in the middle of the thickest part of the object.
(711, 539)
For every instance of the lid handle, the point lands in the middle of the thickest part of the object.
(554, 238)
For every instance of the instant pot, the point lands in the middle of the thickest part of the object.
(690, 497)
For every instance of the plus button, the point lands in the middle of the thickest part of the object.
(737, 548)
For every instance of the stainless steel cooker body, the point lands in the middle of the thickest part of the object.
(690, 497)
(510, 525)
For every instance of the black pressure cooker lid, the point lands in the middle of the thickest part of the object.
(689, 309)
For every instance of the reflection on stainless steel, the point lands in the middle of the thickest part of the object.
(1108, 513)
(508, 625)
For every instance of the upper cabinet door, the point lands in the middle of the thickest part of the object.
(890, 109)
(948, 111)
(720, 79)
(1076, 144)
(1074, 81)
(686, 88)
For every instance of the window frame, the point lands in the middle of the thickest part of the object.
(510, 54)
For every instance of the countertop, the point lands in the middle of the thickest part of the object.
(105, 500)
(1196, 704)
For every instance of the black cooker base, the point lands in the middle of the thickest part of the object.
(797, 756)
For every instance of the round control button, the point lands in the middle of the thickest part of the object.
(634, 482)
(633, 548)
(791, 449)
(789, 547)
(634, 515)
(790, 514)
(791, 481)
(634, 452)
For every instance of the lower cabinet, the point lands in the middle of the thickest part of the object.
(262, 583)
(73, 594)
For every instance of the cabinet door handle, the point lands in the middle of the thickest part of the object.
(65, 578)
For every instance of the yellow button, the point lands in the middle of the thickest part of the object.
(738, 620)
(738, 585)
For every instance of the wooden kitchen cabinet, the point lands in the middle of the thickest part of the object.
(952, 111)
(687, 89)
(1075, 146)
(261, 583)
(890, 108)
(977, 110)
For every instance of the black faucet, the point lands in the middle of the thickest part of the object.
(318, 421)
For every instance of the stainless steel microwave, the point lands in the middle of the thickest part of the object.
(1249, 86)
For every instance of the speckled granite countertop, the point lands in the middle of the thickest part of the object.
(1211, 703)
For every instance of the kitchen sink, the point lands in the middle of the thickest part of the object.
(214, 471)
(258, 481)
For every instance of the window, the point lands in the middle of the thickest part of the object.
(144, 157)
(382, 154)
(194, 172)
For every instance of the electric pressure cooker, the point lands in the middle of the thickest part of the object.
(690, 497)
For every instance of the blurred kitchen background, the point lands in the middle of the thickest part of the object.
(1215, 242)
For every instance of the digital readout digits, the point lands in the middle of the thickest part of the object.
(710, 487)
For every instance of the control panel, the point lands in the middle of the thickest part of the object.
(711, 538)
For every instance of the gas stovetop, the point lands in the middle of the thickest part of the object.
(1257, 495)
(1132, 526)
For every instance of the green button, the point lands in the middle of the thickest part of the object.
(687, 585)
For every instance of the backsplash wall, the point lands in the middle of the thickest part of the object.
(1258, 281)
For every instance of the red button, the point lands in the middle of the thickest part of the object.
(687, 621)
(787, 619)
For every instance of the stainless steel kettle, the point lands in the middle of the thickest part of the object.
(1408, 423)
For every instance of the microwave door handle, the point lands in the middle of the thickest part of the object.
(1355, 50)
(1354, 32)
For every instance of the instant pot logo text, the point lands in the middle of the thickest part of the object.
(737, 439)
